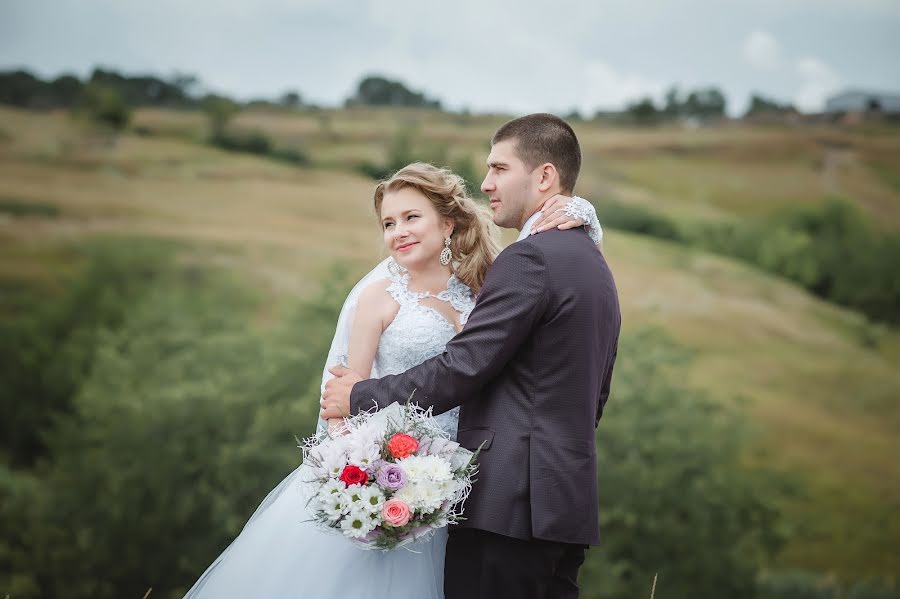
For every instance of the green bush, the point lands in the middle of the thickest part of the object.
(19, 208)
(636, 219)
(186, 418)
(219, 111)
(250, 143)
(105, 105)
(258, 143)
(47, 350)
(400, 153)
(830, 249)
(675, 499)
(805, 585)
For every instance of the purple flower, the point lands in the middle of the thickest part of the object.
(391, 477)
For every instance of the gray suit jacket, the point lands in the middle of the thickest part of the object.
(531, 370)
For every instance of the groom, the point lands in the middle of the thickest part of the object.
(531, 370)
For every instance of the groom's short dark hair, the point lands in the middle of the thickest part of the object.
(541, 138)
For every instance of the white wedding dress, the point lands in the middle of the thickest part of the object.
(281, 555)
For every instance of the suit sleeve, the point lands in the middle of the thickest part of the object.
(510, 305)
(604, 389)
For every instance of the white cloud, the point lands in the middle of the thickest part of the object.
(762, 51)
(817, 82)
(607, 88)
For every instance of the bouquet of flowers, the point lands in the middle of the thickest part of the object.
(386, 478)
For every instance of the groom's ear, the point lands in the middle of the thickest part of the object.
(549, 177)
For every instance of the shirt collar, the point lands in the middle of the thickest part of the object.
(526, 228)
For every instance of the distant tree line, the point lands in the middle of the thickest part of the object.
(380, 91)
(703, 104)
(760, 105)
(25, 90)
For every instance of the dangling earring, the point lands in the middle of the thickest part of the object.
(394, 268)
(446, 254)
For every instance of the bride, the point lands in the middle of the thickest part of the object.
(402, 313)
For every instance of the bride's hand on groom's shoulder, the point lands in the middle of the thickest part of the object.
(554, 215)
(336, 398)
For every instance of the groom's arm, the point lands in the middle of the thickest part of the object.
(604, 389)
(511, 303)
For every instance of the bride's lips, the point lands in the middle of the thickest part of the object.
(407, 246)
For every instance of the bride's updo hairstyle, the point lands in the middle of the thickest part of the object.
(474, 240)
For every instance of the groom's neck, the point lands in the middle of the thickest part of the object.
(532, 209)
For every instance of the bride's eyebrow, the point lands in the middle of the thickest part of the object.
(404, 213)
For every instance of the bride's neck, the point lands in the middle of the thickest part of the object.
(432, 279)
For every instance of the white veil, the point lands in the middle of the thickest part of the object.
(340, 344)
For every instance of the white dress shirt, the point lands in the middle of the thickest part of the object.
(526, 229)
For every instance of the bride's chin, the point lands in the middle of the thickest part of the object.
(416, 263)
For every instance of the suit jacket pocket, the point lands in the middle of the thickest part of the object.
(472, 438)
(562, 455)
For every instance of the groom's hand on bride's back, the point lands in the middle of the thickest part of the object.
(336, 398)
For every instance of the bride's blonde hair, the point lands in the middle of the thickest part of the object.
(474, 242)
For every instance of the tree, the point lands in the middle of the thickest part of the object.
(105, 105)
(379, 91)
(643, 112)
(762, 105)
(672, 107)
(66, 89)
(219, 111)
(705, 104)
(19, 88)
(184, 422)
(291, 99)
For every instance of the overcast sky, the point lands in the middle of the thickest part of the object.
(513, 57)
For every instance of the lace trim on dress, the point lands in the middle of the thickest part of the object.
(578, 207)
(457, 294)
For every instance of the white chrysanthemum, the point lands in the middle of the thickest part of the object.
(334, 505)
(424, 497)
(354, 495)
(426, 469)
(358, 523)
(331, 457)
(331, 487)
(372, 498)
(364, 455)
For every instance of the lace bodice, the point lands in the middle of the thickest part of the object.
(419, 332)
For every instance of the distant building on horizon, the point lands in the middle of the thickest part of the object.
(856, 100)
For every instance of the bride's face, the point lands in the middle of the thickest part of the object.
(414, 231)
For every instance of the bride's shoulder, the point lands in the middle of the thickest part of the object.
(375, 294)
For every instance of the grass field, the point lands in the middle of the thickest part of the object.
(825, 396)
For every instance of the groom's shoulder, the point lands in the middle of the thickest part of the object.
(555, 243)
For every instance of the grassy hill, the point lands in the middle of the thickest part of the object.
(820, 385)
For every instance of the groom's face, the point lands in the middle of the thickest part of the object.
(511, 187)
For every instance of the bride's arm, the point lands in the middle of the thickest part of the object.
(373, 313)
(567, 212)
(372, 316)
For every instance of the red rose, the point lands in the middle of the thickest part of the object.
(402, 445)
(353, 475)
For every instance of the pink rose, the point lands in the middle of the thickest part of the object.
(395, 512)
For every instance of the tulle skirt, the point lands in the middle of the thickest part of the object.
(281, 555)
